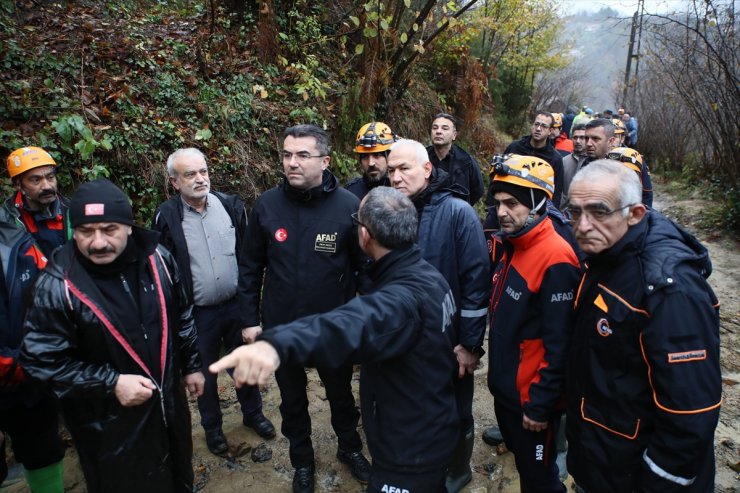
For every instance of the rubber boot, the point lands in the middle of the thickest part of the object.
(49, 479)
(458, 472)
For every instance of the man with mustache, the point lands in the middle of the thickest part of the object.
(534, 284)
(372, 144)
(111, 331)
(643, 380)
(37, 205)
(205, 230)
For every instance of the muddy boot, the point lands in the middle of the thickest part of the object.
(458, 472)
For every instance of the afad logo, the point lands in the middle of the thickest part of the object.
(281, 235)
(602, 327)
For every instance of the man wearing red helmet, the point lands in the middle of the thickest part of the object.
(530, 316)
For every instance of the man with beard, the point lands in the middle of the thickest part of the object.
(205, 230)
(36, 205)
(538, 145)
(573, 162)
(372, 144)
(531, 313)
(461, 167)
(451, 239)
(111, 331)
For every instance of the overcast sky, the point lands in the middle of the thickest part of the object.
(624, 7)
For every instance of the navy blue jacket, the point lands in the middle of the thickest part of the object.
(302, 253)
(643, 382)
(451, 239)
(401, 334)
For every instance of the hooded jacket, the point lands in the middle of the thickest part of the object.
(302, 253)
(451, 239)
(401, 334)
(523, 147)
(643, 378)
(76, 342)
(531, 315)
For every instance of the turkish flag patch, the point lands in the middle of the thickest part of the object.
(94, 209)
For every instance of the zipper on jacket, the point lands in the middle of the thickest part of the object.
(131, 296)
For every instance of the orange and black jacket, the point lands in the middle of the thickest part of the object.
(643, 379)
(50, 230)
(534, 285)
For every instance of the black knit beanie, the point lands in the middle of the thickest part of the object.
(520, 193)
(100, 201)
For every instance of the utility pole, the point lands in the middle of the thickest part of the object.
(641, 9)
(629, 60)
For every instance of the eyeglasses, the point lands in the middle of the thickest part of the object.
(299, 156)
(540, 124)
(595, 213)
(357, 222)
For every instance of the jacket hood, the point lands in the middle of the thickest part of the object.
(145, 242)
(666, 246)
(329, 183)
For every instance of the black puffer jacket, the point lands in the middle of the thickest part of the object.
(78, 345)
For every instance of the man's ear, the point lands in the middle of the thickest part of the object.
(637, 212)
(325, 163)
(428, 169)
(173, 182)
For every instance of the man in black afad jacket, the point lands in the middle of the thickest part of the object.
(111, 330)
(538, 144)
(643, 381)
(205, 231)
(401, 333)
(301, 259)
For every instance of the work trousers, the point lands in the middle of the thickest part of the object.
(218, 327)
(534, 452)
(294, 410)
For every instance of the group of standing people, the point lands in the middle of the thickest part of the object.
(598, 308)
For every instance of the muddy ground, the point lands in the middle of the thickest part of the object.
(493, 472)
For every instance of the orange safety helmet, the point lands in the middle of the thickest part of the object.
(26, 158)
(627, 156)
(374, 137)
(619, 127)
(557, 120)
(524, 171)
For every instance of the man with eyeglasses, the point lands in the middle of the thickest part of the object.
(300, 260)
(538, 144)
(643, 381)
(401, 331)
(461, 167)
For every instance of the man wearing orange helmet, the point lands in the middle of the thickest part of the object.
(37, 204)
(461, 167)
(371, 145)
(530, 317)
(560, 140)
(634, 161)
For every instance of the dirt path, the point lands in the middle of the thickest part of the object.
(494, 473)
